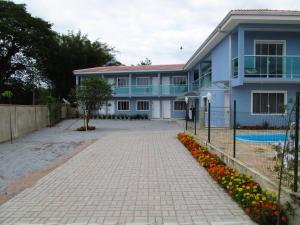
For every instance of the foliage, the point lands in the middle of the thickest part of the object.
(92, 94)
(54, 107)
(145, 62)
(75, 51)
(7, 94)
(123, 117)
(260, 205)
(25, 43)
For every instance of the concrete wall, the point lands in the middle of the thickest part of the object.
(24, 119)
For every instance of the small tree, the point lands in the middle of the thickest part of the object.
(92, 94)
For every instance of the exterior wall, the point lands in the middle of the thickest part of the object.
(24, 119)
(242, 95)
(220, 61)
(292, 40)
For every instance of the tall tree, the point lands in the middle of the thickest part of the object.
(76, 51)
(25, 42)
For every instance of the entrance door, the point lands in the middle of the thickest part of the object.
(155, 85)
(155, 109)
(269, 60)
(165, 85)
(227, 109)
(166, 109)
(111, 107)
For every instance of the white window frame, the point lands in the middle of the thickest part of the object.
(123, 101)
(177, 110)
(268, 91)
(136, 83)
(138, 110)
(122, 78)
(179, 77)
(258, 41)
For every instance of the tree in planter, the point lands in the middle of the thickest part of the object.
(92, 94)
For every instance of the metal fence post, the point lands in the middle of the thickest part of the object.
(209, 122)
(195, 120)
(296, 142)
(234, 128)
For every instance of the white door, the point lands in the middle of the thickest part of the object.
(227, 109)
(111, 107)
(155, 109)
(166, 109)
(165, 85)
(155, 85)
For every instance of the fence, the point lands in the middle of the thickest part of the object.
(261, 142)
(17, 120)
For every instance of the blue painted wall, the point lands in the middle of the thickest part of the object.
(243, 97)
(292, 40)
(220, 61)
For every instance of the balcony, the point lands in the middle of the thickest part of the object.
(269, 67)
(205, 82)
(150, 90)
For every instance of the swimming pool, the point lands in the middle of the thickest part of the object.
(261, 138)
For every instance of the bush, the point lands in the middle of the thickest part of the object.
(83, 128)
(260, 205)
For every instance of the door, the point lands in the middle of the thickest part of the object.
(227, 109)
(165, 85)
(155, 109)
(111, 107)
(166, 109)
(155, 85)
(269, 61)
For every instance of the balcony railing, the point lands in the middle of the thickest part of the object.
(205, 82)
(151, 90)
(260, 66)
(173, 90)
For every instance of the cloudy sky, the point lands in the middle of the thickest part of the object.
(145, 28)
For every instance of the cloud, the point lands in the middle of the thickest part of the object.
(145, 28)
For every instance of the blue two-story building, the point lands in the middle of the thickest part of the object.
(252, 56)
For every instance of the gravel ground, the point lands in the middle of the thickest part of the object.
(40, 149)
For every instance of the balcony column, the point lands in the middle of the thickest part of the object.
(129, 84)
(241, 52)
(159, 84)
(77, 80)
(188, 81)
(199, 73)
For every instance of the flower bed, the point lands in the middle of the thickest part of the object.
(260, 205)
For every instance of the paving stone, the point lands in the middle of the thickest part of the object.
(127, 177)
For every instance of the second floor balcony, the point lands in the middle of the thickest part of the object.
(268, 67)
(150, 90)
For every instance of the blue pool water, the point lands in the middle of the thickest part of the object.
(261, 138)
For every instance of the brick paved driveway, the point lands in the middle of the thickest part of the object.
(126, 177)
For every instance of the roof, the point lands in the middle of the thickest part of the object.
(143, 68)
(242, 16)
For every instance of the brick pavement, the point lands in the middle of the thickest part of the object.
(126, 178)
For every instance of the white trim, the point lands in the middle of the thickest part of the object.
(144, 78)
(136, 104)
(267, 91)
(176, 110)
(123, 101)
(122, 78)
(259, 41)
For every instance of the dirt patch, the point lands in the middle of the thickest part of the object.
(28, 180)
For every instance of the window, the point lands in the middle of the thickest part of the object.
(123, 105)
(179, 80)
(142, 105)
(122, 82)
(142, 81)
(179, 105)
(271, 102)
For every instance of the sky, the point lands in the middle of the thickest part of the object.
(137, 29)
